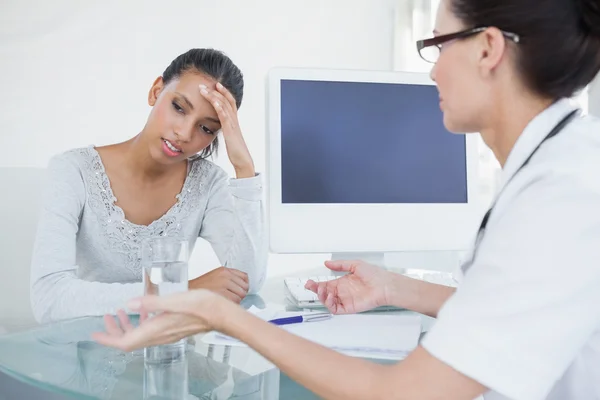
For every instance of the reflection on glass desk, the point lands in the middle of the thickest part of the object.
(62, 358)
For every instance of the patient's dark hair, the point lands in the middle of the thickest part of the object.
(212, 63)
(559, 49)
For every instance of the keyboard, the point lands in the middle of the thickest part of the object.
(300, 297)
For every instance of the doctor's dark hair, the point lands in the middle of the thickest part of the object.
(215, 64)
(559, 49)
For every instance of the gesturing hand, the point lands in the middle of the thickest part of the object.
(177, 316)
(363, 288)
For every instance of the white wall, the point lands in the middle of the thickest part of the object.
(76, 72)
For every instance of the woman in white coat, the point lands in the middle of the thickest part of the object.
(524, 322)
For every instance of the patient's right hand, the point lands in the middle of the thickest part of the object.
(363, 288)
(228, 282)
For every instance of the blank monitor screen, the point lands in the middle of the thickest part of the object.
(356, 142)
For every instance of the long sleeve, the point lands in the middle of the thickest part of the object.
(233, 224)
(56, 291)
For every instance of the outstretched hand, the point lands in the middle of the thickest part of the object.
(362, 289)
(175, 317)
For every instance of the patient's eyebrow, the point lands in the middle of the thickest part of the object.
(186, 100)
(191, 106)
(215, 120)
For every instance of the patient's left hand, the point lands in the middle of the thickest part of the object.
(178, 316)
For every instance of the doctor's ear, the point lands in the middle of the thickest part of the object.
(155, 90)
(492, 47)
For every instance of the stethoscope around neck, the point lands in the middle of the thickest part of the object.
(480, 232)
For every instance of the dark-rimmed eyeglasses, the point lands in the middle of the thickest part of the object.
(429, 49)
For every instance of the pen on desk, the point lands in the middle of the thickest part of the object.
(301, 318)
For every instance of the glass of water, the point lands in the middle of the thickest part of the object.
(165, 265)
(165, 271)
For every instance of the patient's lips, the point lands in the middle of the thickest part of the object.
(171, 149)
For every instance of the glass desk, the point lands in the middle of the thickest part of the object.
(61, 360)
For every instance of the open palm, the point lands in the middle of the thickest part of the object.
(362, 289)
(176, 316)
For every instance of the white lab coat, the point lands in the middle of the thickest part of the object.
(525, 320)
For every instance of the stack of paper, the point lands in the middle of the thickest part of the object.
(361, 335)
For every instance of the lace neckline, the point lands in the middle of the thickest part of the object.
(181, 196)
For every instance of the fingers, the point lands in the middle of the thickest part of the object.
(227, 94)
(311, 285)
(237, 278)
(143, 316)
(111, 326)
(182, 302)
(322, 292)
(234, 287)
(164, 328)
(124, 321)
(230, 295)
(220, 278)
(341, 265)
(232, 274)
(327, 294)
(117, 330)
(128, 341)
(329, 302)
(321, 289)
(219, 102)
(243, 284)
(240, 277)
(241, 274)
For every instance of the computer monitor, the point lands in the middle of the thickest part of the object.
(360, 163)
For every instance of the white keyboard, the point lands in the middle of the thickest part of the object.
(303, 298)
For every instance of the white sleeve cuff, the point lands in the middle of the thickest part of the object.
(247, 188)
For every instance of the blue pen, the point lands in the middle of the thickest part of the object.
(301, 318)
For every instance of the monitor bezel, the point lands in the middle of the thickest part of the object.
(336, 228)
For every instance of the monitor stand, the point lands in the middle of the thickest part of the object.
(371, 258)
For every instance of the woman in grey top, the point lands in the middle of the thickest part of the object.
(102, 202)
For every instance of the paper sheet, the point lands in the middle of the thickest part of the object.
(362, 335)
